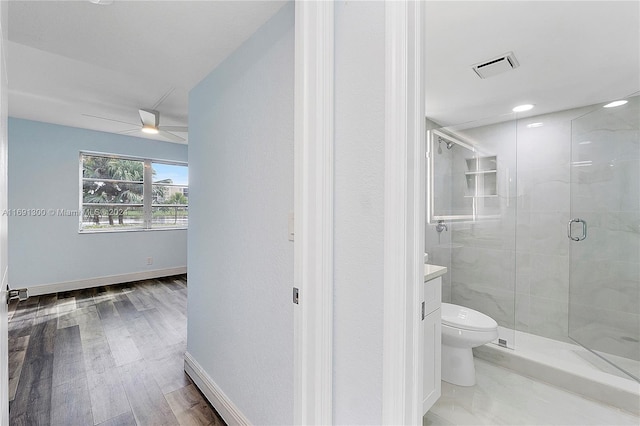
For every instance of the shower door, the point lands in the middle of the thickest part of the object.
(604, 229)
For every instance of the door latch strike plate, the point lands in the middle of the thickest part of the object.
(296, 295)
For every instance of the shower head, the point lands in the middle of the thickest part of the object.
(448, 143)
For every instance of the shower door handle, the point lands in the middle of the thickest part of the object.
(584, 229)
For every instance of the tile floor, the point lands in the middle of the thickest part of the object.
(502, 397)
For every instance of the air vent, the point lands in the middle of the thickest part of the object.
(496, 66)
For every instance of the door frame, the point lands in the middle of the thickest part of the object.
(313, 212)
(4, 162)
(404, 212)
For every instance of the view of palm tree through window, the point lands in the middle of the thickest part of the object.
(115, 192)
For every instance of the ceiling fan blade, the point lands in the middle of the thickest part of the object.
(157, 104)
(126, 132)
(110, 119)
(183, 129)
(171, 136)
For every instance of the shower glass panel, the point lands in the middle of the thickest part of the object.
(473, 188)
(604, 288)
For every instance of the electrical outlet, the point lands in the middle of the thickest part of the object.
(149, 260)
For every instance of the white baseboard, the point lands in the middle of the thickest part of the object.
(223, 405)
(100, 281)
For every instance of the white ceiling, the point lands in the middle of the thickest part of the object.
(571, 53)
(69, 60)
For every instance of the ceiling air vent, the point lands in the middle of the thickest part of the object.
(496, 65)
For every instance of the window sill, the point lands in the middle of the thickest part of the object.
(112, 231)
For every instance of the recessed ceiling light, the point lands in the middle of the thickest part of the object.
(522, 108)
(615, 104)
(533, 125)
(102, 2)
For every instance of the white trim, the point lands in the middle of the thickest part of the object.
(404, 213)
(220, 401)
(59, 287)
(313, 194)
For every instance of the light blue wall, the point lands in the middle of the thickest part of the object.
(240, 319)
(44, 174)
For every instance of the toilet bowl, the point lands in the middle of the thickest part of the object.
(462, 330)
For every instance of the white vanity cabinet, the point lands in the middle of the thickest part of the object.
(432, 335)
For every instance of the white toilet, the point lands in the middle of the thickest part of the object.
(463, 329)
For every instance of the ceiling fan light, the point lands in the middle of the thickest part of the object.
(150, 129)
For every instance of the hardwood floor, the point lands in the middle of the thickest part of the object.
(104, 356)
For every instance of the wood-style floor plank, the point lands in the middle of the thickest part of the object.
(34, 407)
(190, 407)
(104, 356)
(167, 366)
(97, 354)
(108, 399)
(164, 326)
(126, 419)
(147, 400)
(70, 403)
(17, 352)
(123, 348)
(68, 358)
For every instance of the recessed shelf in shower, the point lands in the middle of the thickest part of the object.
(482, 177)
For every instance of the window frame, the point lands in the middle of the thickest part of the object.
(147, 189)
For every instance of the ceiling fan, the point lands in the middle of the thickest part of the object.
(150, 120)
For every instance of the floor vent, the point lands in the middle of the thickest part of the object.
(496, 66)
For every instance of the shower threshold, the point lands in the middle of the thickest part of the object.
(566, 366)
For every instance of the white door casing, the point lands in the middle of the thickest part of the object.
(404, 213)
(313, 213)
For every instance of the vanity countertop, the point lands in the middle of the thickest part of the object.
(433, 271)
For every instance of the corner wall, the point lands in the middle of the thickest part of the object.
(240, 316)
(47, 254)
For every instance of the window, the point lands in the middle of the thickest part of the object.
(120, 193)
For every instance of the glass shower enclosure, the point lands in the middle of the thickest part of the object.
(604, 229)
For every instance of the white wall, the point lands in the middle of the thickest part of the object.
(48, 252)
(240, 317)
(359, 211)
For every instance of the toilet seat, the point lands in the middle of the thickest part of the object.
(466, 319)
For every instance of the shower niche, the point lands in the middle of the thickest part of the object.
(481, 177)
